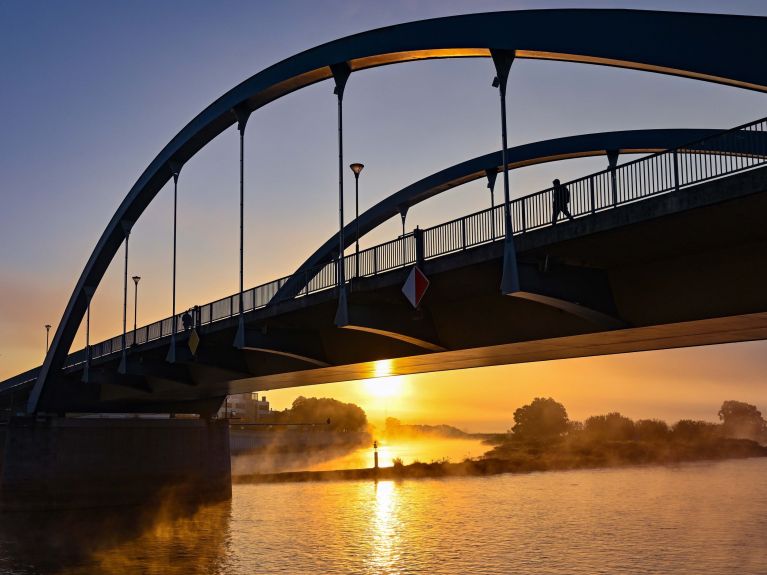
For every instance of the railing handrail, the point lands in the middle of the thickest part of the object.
(517, 205)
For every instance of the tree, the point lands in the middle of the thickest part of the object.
(392, 426)
(689, 430)
(542, 419)
(742, 420)
(651, 430)
(330, 413)
(611, 427)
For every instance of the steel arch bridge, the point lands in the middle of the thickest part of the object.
(661, 42)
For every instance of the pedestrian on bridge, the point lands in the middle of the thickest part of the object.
(561, 202)
(186, 319)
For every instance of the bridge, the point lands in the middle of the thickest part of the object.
(665, 250)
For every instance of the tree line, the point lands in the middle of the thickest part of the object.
(321, 412)
(545, 419)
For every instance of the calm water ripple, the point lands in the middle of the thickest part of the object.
(695, 518)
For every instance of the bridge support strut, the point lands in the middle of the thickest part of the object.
(341, 73)
(503, 60)
(171, 357)
(242, 116)
(124, 352)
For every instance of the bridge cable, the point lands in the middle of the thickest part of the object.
(503, 60)
(87, 369)
(242, 116)
(124, 357)
(171, 357)
(341, 73)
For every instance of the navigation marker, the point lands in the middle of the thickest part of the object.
(415, 286)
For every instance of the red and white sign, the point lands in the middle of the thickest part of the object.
(415, 286)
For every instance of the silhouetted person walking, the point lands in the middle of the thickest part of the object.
(561, 202)
(186, 319)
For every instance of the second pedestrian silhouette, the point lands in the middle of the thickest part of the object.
(561, 202)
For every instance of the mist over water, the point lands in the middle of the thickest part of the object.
(356, 455)
(693, 518)
(418, 448)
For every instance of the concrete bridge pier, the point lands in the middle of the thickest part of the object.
(60, 462)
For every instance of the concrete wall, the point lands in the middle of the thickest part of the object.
(60, 462)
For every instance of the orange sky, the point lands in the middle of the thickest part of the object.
(670, 384)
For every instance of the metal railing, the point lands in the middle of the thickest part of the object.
(723, 154)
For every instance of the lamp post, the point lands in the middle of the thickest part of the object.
(357, 168)
(135, 305)
(47, 332)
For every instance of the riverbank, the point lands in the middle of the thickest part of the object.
(526, 458)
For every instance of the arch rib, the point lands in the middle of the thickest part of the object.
(586, 145)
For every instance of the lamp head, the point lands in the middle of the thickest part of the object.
(135, 279)
(356, 168)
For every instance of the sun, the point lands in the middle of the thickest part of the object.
(384, 387)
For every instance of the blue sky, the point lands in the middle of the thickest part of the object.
(91, 91)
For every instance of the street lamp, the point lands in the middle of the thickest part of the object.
(135, 305)
(357, 168)
(47, 332)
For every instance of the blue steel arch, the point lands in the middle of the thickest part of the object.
(716, 48)
(581, 146)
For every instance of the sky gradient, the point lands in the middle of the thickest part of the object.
(92, 91)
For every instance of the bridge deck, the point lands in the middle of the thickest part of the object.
(610, 282)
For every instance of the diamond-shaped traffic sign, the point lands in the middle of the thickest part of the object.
(415, 286)
(194, 342)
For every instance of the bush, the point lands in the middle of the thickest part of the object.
(689, 430)
(610, 427)
(651, 430)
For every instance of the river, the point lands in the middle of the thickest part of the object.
(708, 517)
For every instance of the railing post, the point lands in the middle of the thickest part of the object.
(612, 158)
(375, 261)
(463, 233)
(419, 253)
(591, 194)
(676, 171)
(523, 203)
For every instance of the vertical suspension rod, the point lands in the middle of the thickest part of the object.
(175, 222)
(242, 116)
(504, 145)
(123, 360)
(241, 128)
(341, 270)
(175, 169)
(86, 371)
(341, 72)
(503, 60)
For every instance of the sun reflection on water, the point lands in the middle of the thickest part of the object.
(385, 529)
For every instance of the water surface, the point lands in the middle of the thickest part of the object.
(692, 518)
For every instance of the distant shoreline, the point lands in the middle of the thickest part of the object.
(613, 455)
